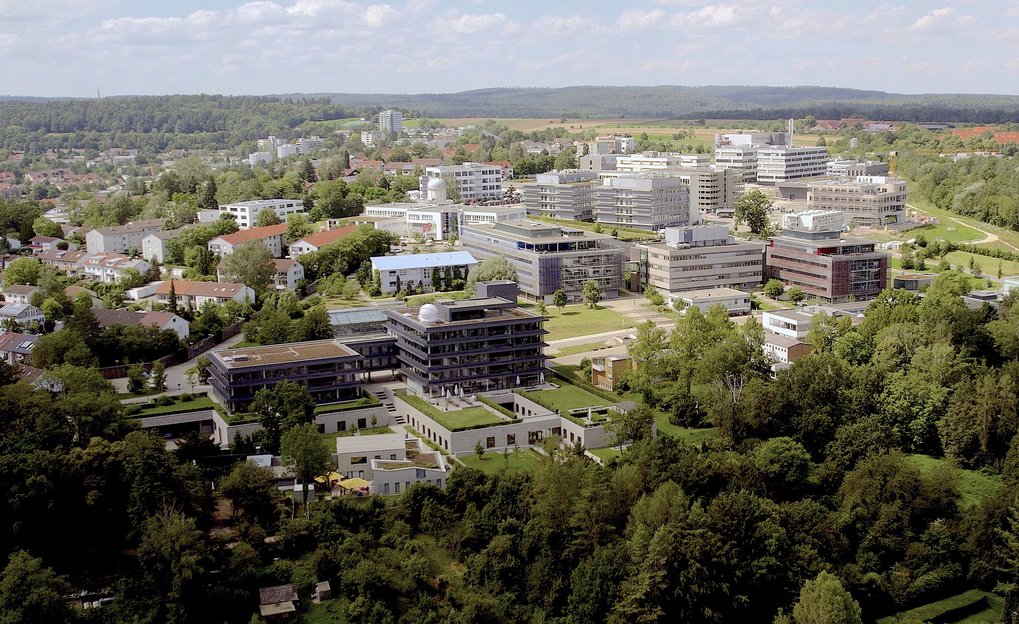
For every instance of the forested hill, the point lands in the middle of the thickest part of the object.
(677, 101)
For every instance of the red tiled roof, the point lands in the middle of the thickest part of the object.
(200, 289)
(244, 236)
(321, 239)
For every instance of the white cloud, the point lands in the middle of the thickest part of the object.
(635, 19)
(378, 15)
(554, 24)
(941, 20)
(469, 24)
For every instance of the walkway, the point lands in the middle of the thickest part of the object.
(176, 376)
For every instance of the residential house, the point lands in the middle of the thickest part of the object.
(191, 294)
(16, 348)
(24, 314)
(318, 240)
(289, 273)
(110, 268)
(121, 238)
(783, 350)
(157, 320)
(271, 235)
(46, 243)
(19, 293)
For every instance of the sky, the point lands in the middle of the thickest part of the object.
(74, 47)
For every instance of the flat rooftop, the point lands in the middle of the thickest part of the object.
(302, 352)
(371, 443)
(502, 312)
(793, 316)
(535, 232)
(713, 294)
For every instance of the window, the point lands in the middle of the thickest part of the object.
(341, 425)
(392, 456)
(420, 473)
(490, 442)
(362, 423)
(511, 439)
(397, 487)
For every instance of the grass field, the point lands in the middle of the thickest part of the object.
(693, 436)
(575, 349)
(346, 434)
(579, 320)
(328, 612)
(177, 407)
(931, 610)
(987, 264)
(623, 233)
(1009, 240)
(606, 454)
(974, 486)
(566, 397)
(520, 460)
(454, 420)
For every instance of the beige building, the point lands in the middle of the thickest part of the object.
(735, 302)
(561, 195)
(863, 200)
(739, 158)
(608, 370)
(647, 201)
(121, 238)
(700, 257)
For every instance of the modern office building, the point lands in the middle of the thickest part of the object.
(329, 369)
(470, 181)
(781, 163)
(739, 158)
(561, 195)
(437, 220)
(647, 201)
(863, 200)
(246, 212)
(856, 168)
(418, 272)
(549, 257)
(735, 302)
(711, 189)
(811, 255)
(468, 346)
(700, 257)
(751, 138)
(391, 121)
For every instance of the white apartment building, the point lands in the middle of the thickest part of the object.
(561, 195)
(659, 161)
(288, 273)
(747, 139)
(856, 168)
(473, 181)
(309, 145)
(285, 150)
(255, 158)
(782, 163)
(391, 121)
(246, 212)
(700, 257)
(864, 200)
(121, 238)
(371, 138)
(648, 201)
(739, 158)
(154, 245)
(735, 302)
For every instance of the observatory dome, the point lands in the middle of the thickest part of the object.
(428, 313)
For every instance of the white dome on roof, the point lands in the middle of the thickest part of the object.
(428, 313)
(436, 190)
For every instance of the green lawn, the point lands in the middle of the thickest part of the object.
(347, 434)
(987, 264)
(177, 407)
(365, 401)
(623, 233)
(931, 610)
(945, 219)
(579, 320)
(606, 454)
(575, 349)
(566, 397)
(454, 420)
(521, 460)
(328, 612)
(974, 486)
(420, 300)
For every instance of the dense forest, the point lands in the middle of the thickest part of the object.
(833, 484)
(158, 122)
(985, 188)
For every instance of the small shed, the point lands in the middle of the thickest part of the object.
(323, 591)
(277, 602)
